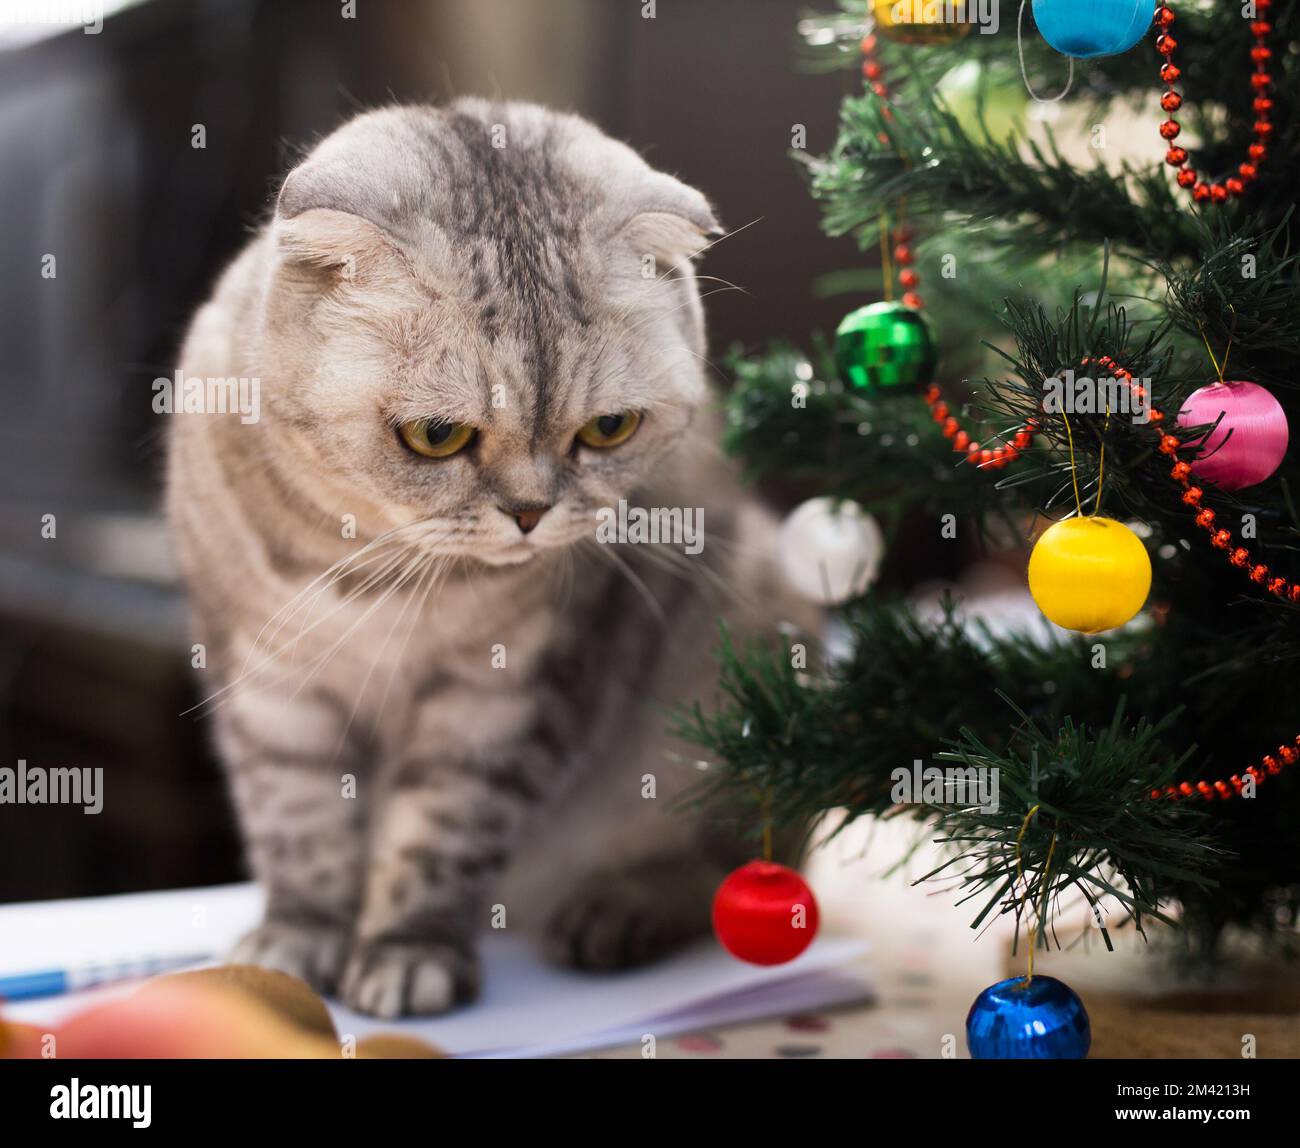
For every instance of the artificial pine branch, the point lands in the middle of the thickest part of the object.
(835, 740)
(1020, 193)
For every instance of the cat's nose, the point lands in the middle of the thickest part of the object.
(526, 516)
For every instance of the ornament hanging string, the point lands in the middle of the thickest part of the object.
(1074, 470)
(1101, 459)
(767, 824)
(1020, 50)
(1218, 370)
(1020, 872)
(886, 269)
(1042, 912)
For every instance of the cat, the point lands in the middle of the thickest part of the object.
(441, 703)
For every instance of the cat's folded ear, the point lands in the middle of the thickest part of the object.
(328, 243)
(665, 218)
(334, 245)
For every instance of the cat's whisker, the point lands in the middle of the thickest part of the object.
(473, 571)
(724, 282)
(307, 605)
(390, 563)
(428, 563)
(683, 566)
(429, 534)
(664, 276)
(322, 659)
(726, 235)
(708, 363)
(333, 573)
(218, 698)
(437, 572)
(635, 579)
(707, 247)
(659, 315)
(330, 573)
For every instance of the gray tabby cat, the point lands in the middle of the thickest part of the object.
(457, 720)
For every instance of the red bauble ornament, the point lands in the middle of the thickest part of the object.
(765, 914)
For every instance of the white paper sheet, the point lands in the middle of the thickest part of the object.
(528, 1008)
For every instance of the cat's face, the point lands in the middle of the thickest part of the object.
(501, 354)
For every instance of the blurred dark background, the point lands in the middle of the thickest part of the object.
(97, 169)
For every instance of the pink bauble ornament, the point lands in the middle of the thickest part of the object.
(1250, 441)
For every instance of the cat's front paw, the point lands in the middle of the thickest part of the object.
(618, 920)
(312, 952)
(400, 978)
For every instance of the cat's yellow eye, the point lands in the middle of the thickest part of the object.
(436, 439)
(605, 431)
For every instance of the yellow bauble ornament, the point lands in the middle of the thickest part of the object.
(1089, 574)
(920, 21)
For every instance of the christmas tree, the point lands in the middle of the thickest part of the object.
(1116, 315)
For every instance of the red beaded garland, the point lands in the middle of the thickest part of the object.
(874, 73)
(986, 458)
(1171, 101)
(1240, 557)
(1222, 790)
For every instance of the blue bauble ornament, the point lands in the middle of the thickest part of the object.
(1086, 28)
(1019, 1019)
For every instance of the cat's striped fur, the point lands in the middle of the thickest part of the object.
(400, 788)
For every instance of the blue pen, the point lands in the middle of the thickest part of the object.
(55, 982)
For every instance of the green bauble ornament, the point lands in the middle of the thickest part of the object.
(885, 345)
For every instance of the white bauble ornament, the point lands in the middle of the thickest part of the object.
(830, 550)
